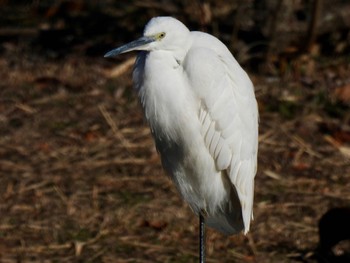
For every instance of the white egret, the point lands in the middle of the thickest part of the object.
(203, 115)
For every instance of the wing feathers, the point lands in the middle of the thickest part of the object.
(228, 114)
(214, 141)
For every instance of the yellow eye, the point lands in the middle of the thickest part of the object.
(161, 35)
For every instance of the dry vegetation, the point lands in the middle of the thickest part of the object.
(80, 180)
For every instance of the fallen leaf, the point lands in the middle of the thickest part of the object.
(343, 93)
(300, 166)
(155, 224)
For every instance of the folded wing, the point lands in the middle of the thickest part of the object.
(228, 114)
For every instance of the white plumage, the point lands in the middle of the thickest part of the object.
(202, 111)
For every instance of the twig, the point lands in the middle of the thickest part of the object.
(40, 249)
(61, 195)
(25, 108)
(252, 245)
(272, 175)
(312, 30)
(132, 161)
(122, 68)
(307, 148)
(16, 31)
(115, 130)
(34, 186)
(267, 134)
(273, 30)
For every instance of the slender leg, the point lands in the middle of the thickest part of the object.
(201, 239)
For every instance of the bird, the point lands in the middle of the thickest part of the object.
(203, 115)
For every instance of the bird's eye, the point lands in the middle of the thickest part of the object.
(161, 35)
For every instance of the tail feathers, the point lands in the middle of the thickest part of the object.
(225, 224)
(229, 218)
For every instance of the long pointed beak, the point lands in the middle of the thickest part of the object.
(139, 44)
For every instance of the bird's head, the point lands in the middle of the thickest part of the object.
(161, 33)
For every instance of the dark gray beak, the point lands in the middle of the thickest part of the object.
(139, 44)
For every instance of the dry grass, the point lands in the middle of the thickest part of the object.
(81, 181)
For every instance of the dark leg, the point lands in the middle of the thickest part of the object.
(201, 239)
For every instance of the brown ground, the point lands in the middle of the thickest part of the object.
(80, 180)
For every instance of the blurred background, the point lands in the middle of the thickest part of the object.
(80, 180)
